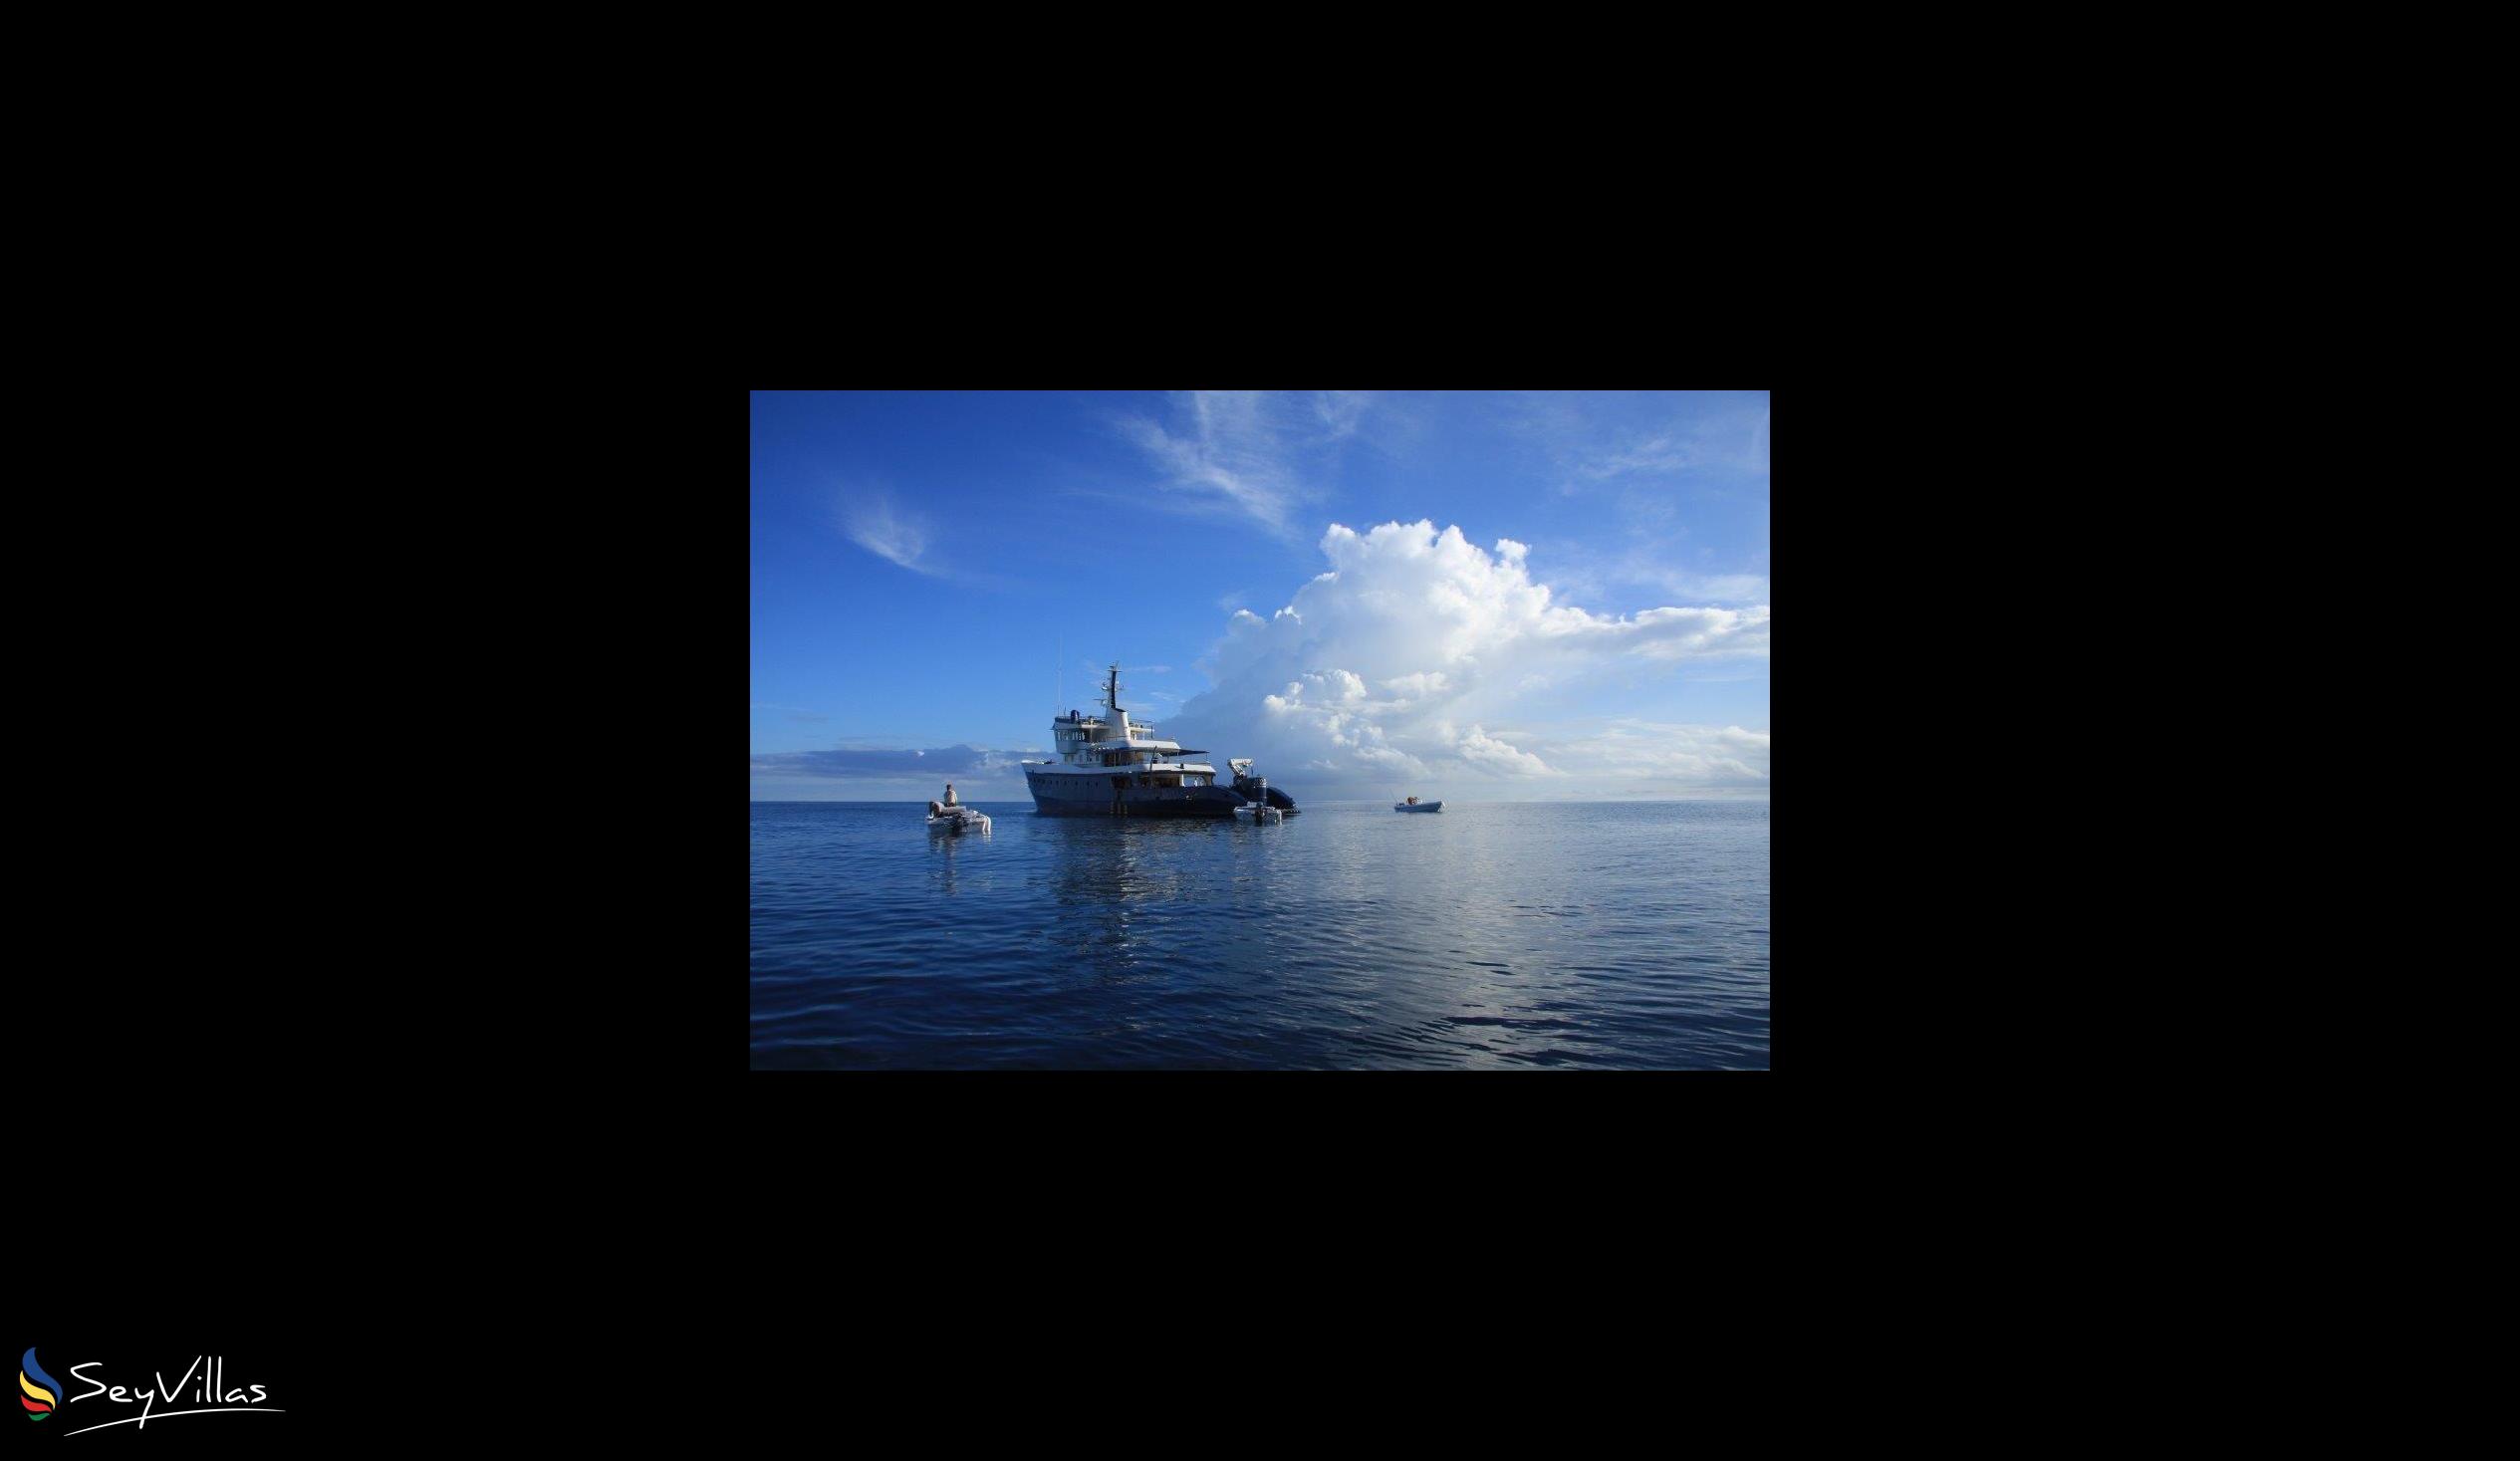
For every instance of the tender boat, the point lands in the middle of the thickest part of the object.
(1415, 804)
(1255, 813)
(942, 817)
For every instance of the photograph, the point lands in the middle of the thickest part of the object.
(1259, 730)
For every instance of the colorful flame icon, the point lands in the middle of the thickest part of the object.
(41, 1389)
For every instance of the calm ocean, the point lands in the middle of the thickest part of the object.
(1487, 935)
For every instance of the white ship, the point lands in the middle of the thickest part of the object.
(1113, 766)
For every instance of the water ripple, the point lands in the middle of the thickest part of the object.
(1506, 935)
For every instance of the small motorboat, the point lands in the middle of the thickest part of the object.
(941, 817)
(1415, 804)
(1257, 813)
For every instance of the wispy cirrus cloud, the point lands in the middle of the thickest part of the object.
(1695, 438)
(1728, 443)
(1654, 454)
(876, 523)
(1340, 412)
(1658, 482)
(1654, 552)
(1246, 453)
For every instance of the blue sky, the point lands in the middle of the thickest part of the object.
(1477, 596)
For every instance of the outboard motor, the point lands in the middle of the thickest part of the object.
(1256, 788)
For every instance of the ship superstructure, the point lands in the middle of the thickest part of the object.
(1109, 764)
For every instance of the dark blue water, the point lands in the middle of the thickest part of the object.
(1349, 936)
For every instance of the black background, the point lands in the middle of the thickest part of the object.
(212, 1213)
(405, 1086)
(147, 1255)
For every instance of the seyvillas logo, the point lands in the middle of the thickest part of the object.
(41, 1389)
(214, 1394)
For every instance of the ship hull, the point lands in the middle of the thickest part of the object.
(1065, 797)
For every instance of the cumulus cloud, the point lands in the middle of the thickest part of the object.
(1493, 756)
(1417, 649)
